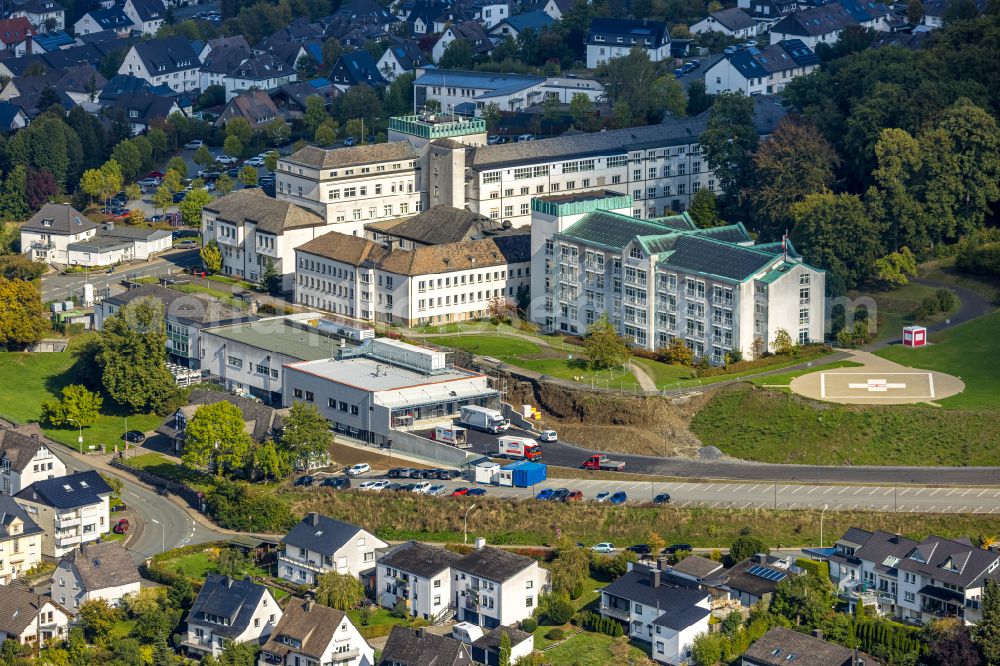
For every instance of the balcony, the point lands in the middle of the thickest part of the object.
(642, 282)
(569, 260)
(633, 300)
(616, 612)
(312, 565)
(594, 268)
(42, 245)
(340, 657)
(68, 540)
(64, 522)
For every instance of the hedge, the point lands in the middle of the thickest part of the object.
(819, 569)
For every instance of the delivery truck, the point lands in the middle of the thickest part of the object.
(451, 434)
(483, 418)
(519, 448)
(603, 462)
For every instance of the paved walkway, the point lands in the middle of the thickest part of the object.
(646, 382)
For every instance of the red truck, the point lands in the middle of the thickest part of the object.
(603, 462)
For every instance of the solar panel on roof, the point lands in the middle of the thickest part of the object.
(766, 574)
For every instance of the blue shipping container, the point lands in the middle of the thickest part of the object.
(526, 474)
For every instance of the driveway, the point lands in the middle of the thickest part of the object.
(62, 287)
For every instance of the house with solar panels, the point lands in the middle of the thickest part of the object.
(400, 57)
(613, 38)
(758, 577)
(663, 278)
(824, 24)
(766, 71)
(71, 510)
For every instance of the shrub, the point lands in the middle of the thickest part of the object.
(529, 625)
(556, 609)
(236, 507)
(555, 634)
(946, 299)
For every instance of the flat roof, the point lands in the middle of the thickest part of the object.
(374, 375)
(280, 336)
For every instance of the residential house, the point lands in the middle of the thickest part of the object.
(309, 633)
(114, 245)
(146, 15)
(554, 8)
(936, 10)
(420, 576)
(94, 571)
(15, 31)
(418, 647)
(142, 111)
(400, 57)
(766, 71)
(44, 42)
(512, 26)
(355, 68)
(254, 106)
(564, 88)
(486, 648)
(768, 12)
(258, 73)
(228, 610)
(320, 545)
(360, 278)
(30, 619)
(912, 581)
(422, 15)
(780, 646)
(219, 62)
(126, 84)
(469, 31)
(732, 22)
(260, 421)
(185, 316)
(72, 510)
(654, 611)
(24, 459)
(489, 12)
(45, 15)
(494, 587)
(236, 41)
(12, 118)
(170, 60)
(757, 578)
(291, 99)
(824, 24)
(47, 234)
(96, 20)
(467, 93)
(697, 569)
(20, 541)
(614, 37)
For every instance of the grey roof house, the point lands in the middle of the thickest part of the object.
(229, 610)
(319, 545)
(417, 647)
(781, 647)
(94, 571)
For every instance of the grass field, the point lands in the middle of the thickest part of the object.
(587, 649)
(969, 352)
(155, 463)
(28, 380)
(786, 377)
(943, 270)
(199, 564)
(896, 308)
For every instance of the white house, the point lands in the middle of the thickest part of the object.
(467, 93)
(170, 61)
(25, 459)
(30, 619)
(71, 510)
(146, 15)
(470, 31)
(258, 72)
(824, 24)
(732, 22)
(493, 587)
(118, 244)
(400, 57)
(94, 571)
(420, 576)
(227, 610)
(666, 616)
(48, 233)
(319, 545)
(97, 20)
(41, 13)
(765, 71)
(614, 37)
(20, 541)
(309, 633)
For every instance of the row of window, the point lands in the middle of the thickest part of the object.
(472, 297)
(361, 191)
(387, 211)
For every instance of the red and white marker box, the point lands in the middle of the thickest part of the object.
(914, 336)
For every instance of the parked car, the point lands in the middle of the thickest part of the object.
(639, 549)
(194, 145)
(350, 141)
(406, 487)
(394, 486)
(159, 175)
(448, 474)
(359, 469)
(476, 492)
(604, 547)
(394, 473)
(134, 437)
(226, 159)
(254, 162)
(619, 497)
(121, 527)
(559, 494)
(187, 245)
(421, 487)
(695, 63)
(436, 489)
(671, 550)
(679, 72)
(545, 494)
(750, 42)
(460, 492)
(730, 50)
(548, 436)
(148, 182)
(179, 196)
(380, 485)
(303, 481)
(337, 482)
(662, 498)
(367, 485)
(602, 497)
(574, 496)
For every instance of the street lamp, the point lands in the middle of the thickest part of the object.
(163, 530)
(80, 438)
(821, 524)
(465, 531)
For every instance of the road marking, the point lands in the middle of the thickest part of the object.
(978, 509)
(936, 491)
(859, 490)
(983, 491)
(963, 509)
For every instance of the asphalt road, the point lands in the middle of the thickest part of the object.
(699, 74)
(59, 287)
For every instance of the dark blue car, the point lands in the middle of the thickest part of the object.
(475, 492)
(619, 498)
(545, 494)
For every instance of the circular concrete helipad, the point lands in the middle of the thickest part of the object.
(876, 382)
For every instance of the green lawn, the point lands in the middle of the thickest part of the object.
(663, 374)
(786, 378)
(896, 308)
(969, 352)
(28, 380)
(160, 465)
(199, 564)
(592, 649)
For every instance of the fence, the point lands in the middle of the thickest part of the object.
(193, 497)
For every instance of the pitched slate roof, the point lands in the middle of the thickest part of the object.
(167, 55)
(127, 84)
(361, 67)
(19, 608)
(270, 215)
(734, 18)
(68, 492)
(147, 107)
(536, 20)
(495, 564)
(307, 622)
(641, 33)
(637, 586)
(738, 578)
(18, 448)
(58, 218)
(230, 598)
(698, 254)
(259, 68)
(149, 10)
(15, 30)
(255, 106)
(191, 308)
(815, 21)
(103, 565)
(474, 33)
(697, 566)
(776, 647)
(410, 647)
(491, 639)
(438, 225)
(321, 534)
(8, 113)
(948, 561)
(319, 158)
(11, 511)
(225, 58)
(419, 559)
(356, 9)
(407, 53)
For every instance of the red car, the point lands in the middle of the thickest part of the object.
(155, 174)
(460, 492)
(121, 527)
(574, 496)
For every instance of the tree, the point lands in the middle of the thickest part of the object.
(746, 547)
(162, 198)
(216, 439)
(240, 128)
(132, 357)
(239, 654)
(224, 184)
(315, 113)
(190, 207)
(306, 433)
(203, 156)
(896, 268)
(551, 110)
(457, 55)
(581, 108)
(40, 188)
(278, 130)
(556, 608)
(270, 278)
(914, 12)
(325, 134)
(162, 654)
(22, 316)
(707, 649)
(569, 568)
(504, 655)
(834, 231)
(233, 563)
(655, 542)
(704, 209)
(127, 154)
(177, 165)
(271, 160)
(894, 199)
(804, 600)
(698, 98)
(14, 196)
(782, 343)
(729, 141)
(97, 618)
(340, 591)
(604, 347)
(211, 257)
(133, 192)
(180, 594)
(248, 176)
(669, 96)
(951, 644)
(78, 407)
(629, 80)
(987, 632)
(269, 462)
(677, 352)
(233, 146)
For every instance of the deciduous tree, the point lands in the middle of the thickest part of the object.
(604, 347)
(216, 439)
(896, 268)
(834, 231)
(987, 631)
(132, 356)
(248, 176)
(22, 317)
(340, 591)
(78, 407)
(191, 206)
(729, 142)
(224, 184)
(211, 257)
(306, 433)
(233, 146)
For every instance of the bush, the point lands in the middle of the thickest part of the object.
(555, 634)
(556, 609)
(529, 625)
(946, 299)
(236, 507)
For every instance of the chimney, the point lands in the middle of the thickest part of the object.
(654, 577)
(818, 633)
(480, 542)
(662, 563)
(309, 603)
(313, 518)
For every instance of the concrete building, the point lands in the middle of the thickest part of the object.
(47, 234)
(20, 541)
(94, 571)
(71, 510)
(24, 459)
(467, 93)
(227, 610)
(319, 545)
(170, 61)
(658, 279)
(362, 279)
(493, 587)
(114, 245)
(383, 384)
(766, 71)
(351, 187)
(610, 38)
(309, 633)
(421, 576)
